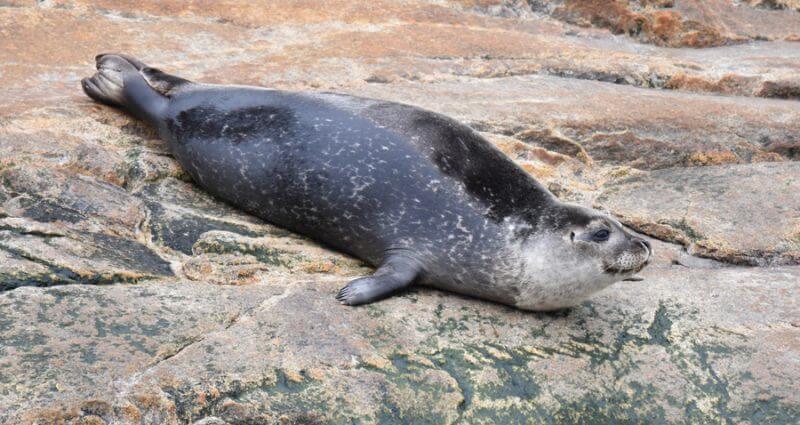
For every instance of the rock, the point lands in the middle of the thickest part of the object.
(742, 214)
(128, 295)
(48, 195)
(283, 352)
(83, 258)
(340, 45)
(641, 128)
(292, 253)
(180, 213)
(686, 23)
(85, 344)
(776, 4)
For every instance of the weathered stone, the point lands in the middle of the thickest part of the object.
(60, 256)
(642, 351)
(179, 213)
(616, 125)
(292, 253)
(684, 23)
(746, 214)
(48, 195)
(336, 45)
(88, 342)
(233, 320)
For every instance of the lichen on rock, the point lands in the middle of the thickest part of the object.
(128, 295)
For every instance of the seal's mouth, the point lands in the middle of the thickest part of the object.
(618, 271)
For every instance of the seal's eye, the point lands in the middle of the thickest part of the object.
(601, 235)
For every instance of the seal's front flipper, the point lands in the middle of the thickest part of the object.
(396, 272)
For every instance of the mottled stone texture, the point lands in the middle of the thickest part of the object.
(129, 296)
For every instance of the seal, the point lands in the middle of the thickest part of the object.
(419, 196)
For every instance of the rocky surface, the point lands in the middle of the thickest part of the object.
(127, 295)
(747, 214)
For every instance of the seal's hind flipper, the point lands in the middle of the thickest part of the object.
(119, 82)
(396, 272)
(106, 86)
(162, 82)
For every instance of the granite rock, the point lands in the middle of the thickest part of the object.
(129, 296)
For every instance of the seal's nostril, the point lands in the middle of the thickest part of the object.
(646, 245)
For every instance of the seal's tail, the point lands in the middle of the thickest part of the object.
(125, 82)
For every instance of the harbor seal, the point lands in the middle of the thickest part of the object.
(420, 196)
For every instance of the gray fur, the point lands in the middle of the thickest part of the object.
(416, 194)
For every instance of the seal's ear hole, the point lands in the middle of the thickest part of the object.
(572, 236)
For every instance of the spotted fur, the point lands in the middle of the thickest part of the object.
(418, 195)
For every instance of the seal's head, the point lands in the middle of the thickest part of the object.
(601, 237)
(575, 252)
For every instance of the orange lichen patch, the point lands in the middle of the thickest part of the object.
(715, 248)
(522, 151)
(129, 412)
(31, 34)
(666, 24)
(63, 415)
(320, 267)
(224, 269)
(787, 89)
(200, 398)
(766, 157)
(316, 374)
(793, 235)
(697, 35)
(643, 20)
(690, 82)
(729, 84)
(551, 140)
(538, 171)
(293, 375)
(544, 155)
(713, 158)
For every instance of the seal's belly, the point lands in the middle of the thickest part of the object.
(313, 169)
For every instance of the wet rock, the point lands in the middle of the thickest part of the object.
(178, 229)
(745, 214)
(186, 196)
(18, 271)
